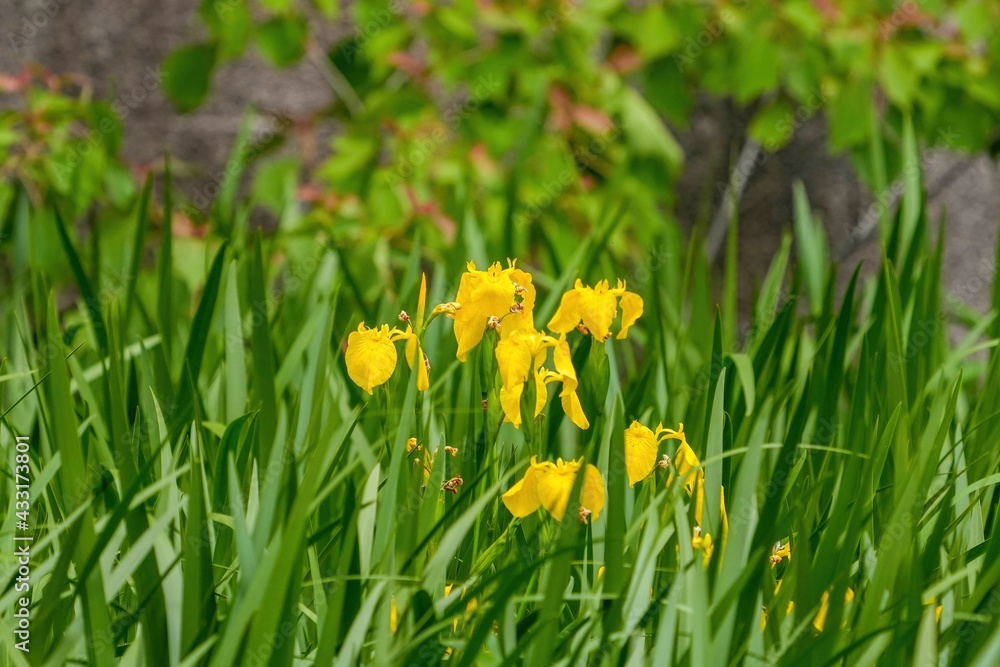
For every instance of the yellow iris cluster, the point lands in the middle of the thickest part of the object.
(503, 300)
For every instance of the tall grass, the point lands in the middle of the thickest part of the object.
(209, 487)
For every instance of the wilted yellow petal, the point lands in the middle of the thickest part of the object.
(371, 356)
(640, 452)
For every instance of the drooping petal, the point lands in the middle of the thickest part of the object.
(522, 498)
(370, 357)
(640, 452)
(574, 410)
(514, 360)
(510, 402)
(555, 486)
(412, 347)
(563, 360)
(567, 315)
(631, 305)
(592, 493)
(686, 462)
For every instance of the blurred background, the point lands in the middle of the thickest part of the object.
(527, 121)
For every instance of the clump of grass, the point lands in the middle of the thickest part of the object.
(212, 487)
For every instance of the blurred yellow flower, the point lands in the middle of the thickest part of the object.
(779, 552)
(550, 485)
(371, 355)
(819, 622)
(704, 544)
(596, 307)
(505, 294)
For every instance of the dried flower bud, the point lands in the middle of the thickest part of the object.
(493, 323)
(451, 450)
(452, 484)
(583, 329)
(403, 317)
(584, 514)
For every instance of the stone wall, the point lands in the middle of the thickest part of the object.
(118, 45)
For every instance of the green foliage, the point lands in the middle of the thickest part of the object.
(210, 487)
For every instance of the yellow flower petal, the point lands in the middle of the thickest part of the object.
(520, 356)
(574, 410)
(640, 452)
(596, 308)
(567, 315)
(371, 356)
(522, 498)
(631, 304)
(555, 486)
(687, 461)
(422, 301)
(819, 622)
(592, 493)
(491, 293)
(412, 347)
(566, 374)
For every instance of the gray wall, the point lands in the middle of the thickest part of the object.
(118, 45)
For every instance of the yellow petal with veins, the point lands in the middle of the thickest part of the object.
(640, 452)
(371, 355)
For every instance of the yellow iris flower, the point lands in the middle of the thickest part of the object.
(549, 485)
(596, 307)
(520, 356)
(641, 445)
(371, 354)
(487, 294)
